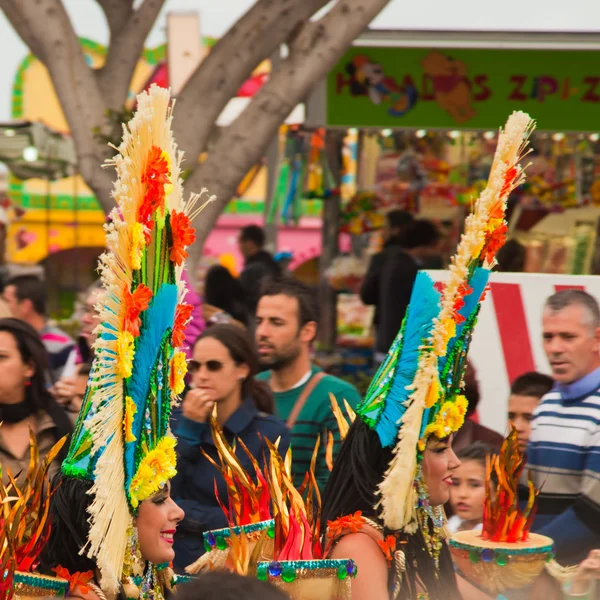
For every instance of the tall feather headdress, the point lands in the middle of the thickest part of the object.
(416, 392)
(122, 441)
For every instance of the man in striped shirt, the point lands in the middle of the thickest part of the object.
(564, 448)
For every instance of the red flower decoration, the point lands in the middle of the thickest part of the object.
(183, 235)
(495, 241)
(155, 177)
(509, 179)
(352, 523)
(133, 305)
(463, 290)
(388, 547)
(78, 580)
(183, 312)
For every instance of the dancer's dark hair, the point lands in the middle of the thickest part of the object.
(70, 527)
(359, 469)
(69, 518)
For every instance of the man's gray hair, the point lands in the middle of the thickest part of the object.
(560, 300)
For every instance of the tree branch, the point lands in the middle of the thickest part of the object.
(253, 38)
(315, 51)
(117, 13)
(13, 13)
(127, 39)
(47, 22)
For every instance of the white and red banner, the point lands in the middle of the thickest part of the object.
(508, 336)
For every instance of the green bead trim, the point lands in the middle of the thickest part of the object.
(298, 567)
(505, 550)
(53, 585)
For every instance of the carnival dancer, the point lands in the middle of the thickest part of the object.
(111, 512)
(383, 505)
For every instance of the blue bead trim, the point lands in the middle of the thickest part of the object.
(247, 529)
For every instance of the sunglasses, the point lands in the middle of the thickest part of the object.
(212, 366)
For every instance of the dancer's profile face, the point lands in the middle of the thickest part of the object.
(156, 523)
(439, 462)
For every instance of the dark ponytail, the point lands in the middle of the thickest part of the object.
(240, 347)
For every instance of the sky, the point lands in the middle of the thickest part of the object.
(217, 17)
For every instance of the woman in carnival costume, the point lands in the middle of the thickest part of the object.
(111, 512)
(383, 505)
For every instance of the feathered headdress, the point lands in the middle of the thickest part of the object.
(416, 392)
(24, 528)
(122, 440)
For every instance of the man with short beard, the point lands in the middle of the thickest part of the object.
(563, 452)
(286, 325)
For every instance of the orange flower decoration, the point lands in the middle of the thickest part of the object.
(352, 523)
(388, 546)
(183, 235)
(133, 305)
(155, 177)
(183, 312)
(78, 580)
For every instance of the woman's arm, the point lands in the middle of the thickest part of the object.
(371, 582)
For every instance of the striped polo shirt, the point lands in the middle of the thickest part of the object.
(315, 419)
(564, 459)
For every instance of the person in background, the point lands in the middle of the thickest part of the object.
(224, 292)
(396, 222)
(286, 326)
(396, 279)
(27, 299)
(526, 392)
(69, 392)
(467, 493)
(258, 264)
(196, 325)
(220, 585)
(222, 370)
(472, 431)
(562, 454)
(25, 403)
(511, 257)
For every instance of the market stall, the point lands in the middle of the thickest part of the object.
(424, 109)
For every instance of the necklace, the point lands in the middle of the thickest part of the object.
(96, 591)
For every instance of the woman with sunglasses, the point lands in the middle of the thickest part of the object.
(222, 375)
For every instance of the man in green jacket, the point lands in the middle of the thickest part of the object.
(286, 326)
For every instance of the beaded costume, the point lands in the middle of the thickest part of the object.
(122, 442)
(417, 391)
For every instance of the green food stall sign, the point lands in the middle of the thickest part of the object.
(464, 88)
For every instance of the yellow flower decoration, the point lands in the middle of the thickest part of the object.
(125, 353)
(154, 470)
(138, 243)
(130, 410)
(178, 370)
(449, 419)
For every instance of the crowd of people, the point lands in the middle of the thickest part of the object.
(137, 485)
